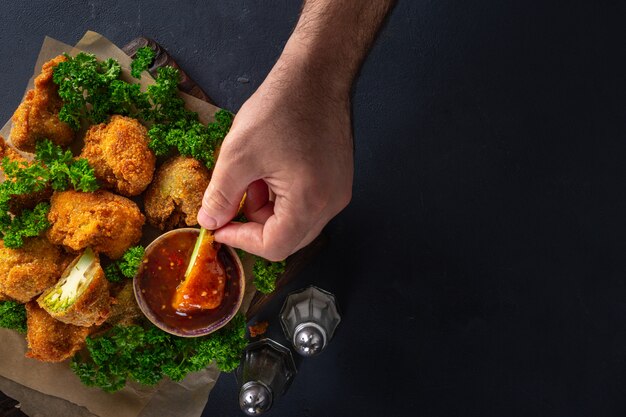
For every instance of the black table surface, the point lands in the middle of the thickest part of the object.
(480, 266)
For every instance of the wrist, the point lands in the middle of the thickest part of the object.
(330, 42)
(301, 71)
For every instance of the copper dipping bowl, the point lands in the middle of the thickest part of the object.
(217, 322)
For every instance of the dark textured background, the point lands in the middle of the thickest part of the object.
(480, 266)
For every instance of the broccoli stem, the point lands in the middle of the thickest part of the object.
(71, 285)
(196, 251)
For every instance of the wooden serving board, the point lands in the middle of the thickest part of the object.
(9, 407)
(297, 261)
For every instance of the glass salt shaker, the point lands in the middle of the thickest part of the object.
(265, 373)
(309, 319)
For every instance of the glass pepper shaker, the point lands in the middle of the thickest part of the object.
(265, 373)
(309, 319)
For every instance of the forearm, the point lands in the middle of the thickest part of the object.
(292, 140)
(330, 41)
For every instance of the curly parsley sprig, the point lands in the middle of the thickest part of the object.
(147, 355)
(127, 266)
(84, 84)
(63, 171)
(143, 60)
(13, 316)
(92, 91)
(30, 223)
(52, 166)
(266, 273)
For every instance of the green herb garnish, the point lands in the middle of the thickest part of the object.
(142, 61)
(30, 223)
(147, 355)
(13, 316)
(83, 81)
(53, 167)
(93, 90)
(266, 273)
(127, 266)
(63, 171)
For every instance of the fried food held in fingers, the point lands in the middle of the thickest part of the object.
(106, 222)
(28, 271)
(38, 115)
(175, 196)
(118, 152)
(49, 340)
(81, 297)
(205, 278)
(20, 202)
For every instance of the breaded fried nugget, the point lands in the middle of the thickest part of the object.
(81, 297)
(175, 196)
(106, 222)
(49, 340)
(120, 156)
(28, 271)
(124, 310)
(38, 115)
(22, 201)
(205, 281)
(7, 151)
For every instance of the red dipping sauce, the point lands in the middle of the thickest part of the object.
(163, 269)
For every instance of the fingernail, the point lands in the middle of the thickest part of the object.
(206, 221)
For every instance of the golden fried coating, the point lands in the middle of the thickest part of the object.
(106, 222)
(258, 329)
(4, 297)
(6, 151)
(124, 310)
(49, 340)
(204, 284)
(91, 307)
(28, 271)
(22, 201)
(120, 156)
(38, 115)
(175, 196)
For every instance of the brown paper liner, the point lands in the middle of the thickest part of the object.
(46, 389)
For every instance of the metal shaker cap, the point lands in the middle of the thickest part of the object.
(309, 318)
(309, 339)
(255, 398)
(264, 374)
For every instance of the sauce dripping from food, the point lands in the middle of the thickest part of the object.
(162, 271)
(203, 286)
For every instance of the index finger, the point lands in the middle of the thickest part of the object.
(274, 240)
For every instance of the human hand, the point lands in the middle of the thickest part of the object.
(291, 140)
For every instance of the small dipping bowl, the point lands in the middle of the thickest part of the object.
(154, 290)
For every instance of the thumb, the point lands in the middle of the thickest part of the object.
(223, 195)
